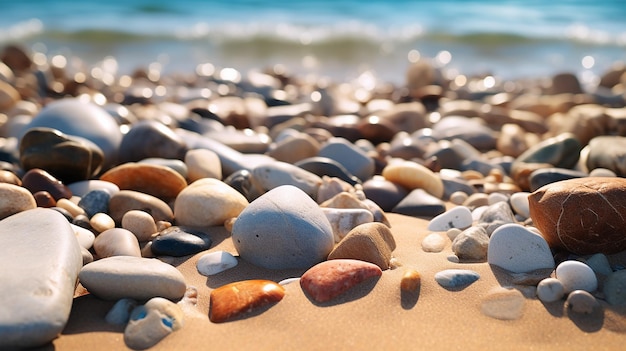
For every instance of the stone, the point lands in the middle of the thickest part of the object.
(581, 301)
(476, 200)
(95, 201)
(215, 262)
(177, 242)
(433, 242)
(71, 207)
(497, 197)
(44, 199)
(235, 299)
(519, 203)
(331, 187)
(576, 275)
(159, 181)
(458, 197)
(456, 278)
(329, 279)
(39, 180)
(82, 119)
(208, 202)
(518, 250)
(582, 215)
(419, 203)
(139, 223)
(294, 148)
(503, 303)
(15, 199)
(202, 163)
(39, 275)
(383, 192)
(565, 83)
(66, 157)
(607, 151)
(550, 290)
(127, 200)
(85, 237)
(545, 176)
(471, 244)
(272, 175)
(614, 288)
(9, 96)
(369, 242)
(599, 263)
(119, 314)
(101, 222)
(150, 323)
(411, 280)
(176, 165)
(81, 188)
(412, 175)
(470, 130)
(344, 200)
(324, 166)
(151, 138)
(457, 217)
(137, 278)
(116, 242)
(343, 220)
(495, 216)
(9, 177)
(355, 160)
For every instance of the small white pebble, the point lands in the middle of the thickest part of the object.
(494, 198)
(458, 197)
(519, 203)
(550, 290)
(433, 242)
(453, 233)
(453, 258)
(101, 222)
(215, 262)
(576, 275)
(70, 207)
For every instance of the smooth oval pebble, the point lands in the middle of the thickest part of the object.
(518, 249)
(519, 203)
(272, 175)
(138, 278)
(159, 181)
(215, 262)
(329, 279)
(202, 163)
(70, 207)
(84, 236)
(95, 201)
(234, 299)
(139, 223)
(40, 180)
(120, 312)
(576, 275)
(615, 288)
(457, 217)
(116, 242)
(550, 290)
(101, 222)
(83, 187)
(411, 280)
(15, 199)
(412, 175)
(177, 242)
(127, 200)
(456, 278)
(433, 242)
(471, 244)
(150, 323)
(581, 301)
(503, 303)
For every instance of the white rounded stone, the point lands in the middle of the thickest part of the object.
(101, 222)
(496, 197)
(457, 217)
(15, 199)
(458, 197)
(576, 275)
(433, 242)
(478, 212)
(84, 236)
(519, 204)
(202, 163)
(550, 290)
(140, 223)
(215, 262)
(518, 250)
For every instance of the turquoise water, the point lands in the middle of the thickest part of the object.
(339, 38)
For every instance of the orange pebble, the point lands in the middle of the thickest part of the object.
(410, 280)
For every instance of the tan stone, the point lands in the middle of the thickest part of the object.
(9, 96)
(116, 242)
(159, 181)
(370, 242)
(202, 163)
(126, 200)
(294, 149)
(14, 199)
(139, 223)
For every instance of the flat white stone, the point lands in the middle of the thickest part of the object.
(519, 203)
(576, 275)
(457, 217)
(478, 212)
(456, 278)
(215, 262)
(343, 220)
(433, 242)
(550, 290)
(518, 250)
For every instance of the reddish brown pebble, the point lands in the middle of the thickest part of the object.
(329, 279)
(44, 199)
(9, 177)
(37, 180)
(159, 181)
(583, 215)
(411, 280)
(234, 299)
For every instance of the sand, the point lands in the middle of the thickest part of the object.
(374, 315)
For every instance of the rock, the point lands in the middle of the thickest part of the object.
(565, 83)
(208, 202)
(518, 250)
(495, 216)
(116, 242)
(272, 175)
(355, 160)
(101, 222)
(177, 242)
(234, 299)
(471, 244)
(581, 301)
(330, 188)
(16, 57)
(85, 120)
(159, 181)
(203, 163)
(38, 277)
(519, 203)
(44, 199)
(383, 192)
(457, 217)
(215, 262)
(295, 148)
(150, 323)
(550, 290)
(324, 166)
(138, 278)
(419, 203)
(576, 275)
(369, 242)
(39, 180)
(581, 215)
(412, 175)
(85, 237)
(15, 199)
(119, 314)
(545, 176)
(67, 158)
(411, 280)
(9, 177)
(456, 278)
(9, 96)
(139, 223)
(176, 165)
(599, 263)
(469, 130)
(150, 138)
(502, 303)
(83, 187)
(127, 200)
(434, 242)
(329, 279)
(284, 228)
(343, 220)
(95, 201)
(72, 208)
(615, 288)
(607, 152)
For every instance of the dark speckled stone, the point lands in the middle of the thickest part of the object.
(178, 241)
(95, 201)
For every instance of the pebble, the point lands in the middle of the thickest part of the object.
(518, 250)
(71, 207)
(177, 165)
(116, 242)
(324, 166)
(137, 278)
(305, 238)
(127, 200)
(15, 199)
(272, 175)
(119, 314)
(85, 237)
(411, 280)
(457, 217)
(156, 180)
(215, 262)
(419, 203)
(177, 242)
(576, 275)
(477, 200)
(101, 222)
(471, 244)
(355, 160)
(550, 290)
(39, 180)
(503, 303)
(238, 298)
(600, 264)
(519, 203)
(151, 138)
(329, 279)
(150, 323)
(39, 275)
(139, 223)
(412, 175)
(458, 197)
(83, 187)
(433, 242)
(497, 197)
(369, 242)
(294, 148)
(607, 151)
(456, 278)
(615, 288)
(452, 233)
(581, 301)
(95, 201)
(343, 220)
(202, 163)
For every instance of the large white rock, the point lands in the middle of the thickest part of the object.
(40, 259)
(457, 217)
(518, 249)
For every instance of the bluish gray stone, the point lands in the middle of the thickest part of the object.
(456, 278)
(546, 176)
(324, 166)
(615, 288)
(355, 160)
(495, 216)
(419, 203)
(40, 259)
(95, 201)
(178, 241)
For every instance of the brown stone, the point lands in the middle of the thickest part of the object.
(37, 180)
(156, 180)
(9, 177)
(411, 280)
(9, 96)
(329, 279)
(44, 199)
(370, 242)
(235, 299)
(294, 149)
(126, 200)
(16, 58)
(583, 215)
(565, 83)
